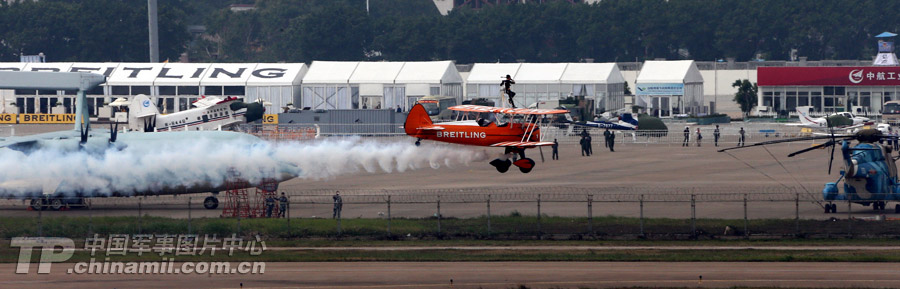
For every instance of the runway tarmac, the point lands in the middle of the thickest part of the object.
(489, 275)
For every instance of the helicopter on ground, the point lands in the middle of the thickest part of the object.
(869, 170)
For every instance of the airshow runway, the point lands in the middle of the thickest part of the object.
(491, 275)
(653, 170)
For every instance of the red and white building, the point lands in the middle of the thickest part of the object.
(859, 89)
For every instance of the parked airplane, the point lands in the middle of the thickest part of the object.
(624, 122)
(209, 113)
(55, 193)
(842, 120)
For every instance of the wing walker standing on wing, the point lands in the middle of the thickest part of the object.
(515, 129)
(505, 88)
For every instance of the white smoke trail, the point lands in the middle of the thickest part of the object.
(203, 162)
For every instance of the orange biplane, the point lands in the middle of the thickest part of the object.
(515, 129)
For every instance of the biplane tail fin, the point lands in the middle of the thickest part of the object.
(416, 118)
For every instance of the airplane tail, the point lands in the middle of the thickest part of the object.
(142, 106)
(804, 118)
(416, 118)
(626, 117)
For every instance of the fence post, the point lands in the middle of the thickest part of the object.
(238, 200)
(189, 215)
(693, 217)
(797, 213)
(41, 217)
(590, 204)
(540, 235)
(287, 215)
(642, 215)
(489, 215)
(90, 218)
(849, 218)
(746, 222)
(140, 215)
(389, 214)
(439, 213)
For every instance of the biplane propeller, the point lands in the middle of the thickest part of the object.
(515, 129)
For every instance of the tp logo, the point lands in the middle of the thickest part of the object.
(146, 103)
(48, 252)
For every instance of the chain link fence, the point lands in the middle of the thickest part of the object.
(505, 213)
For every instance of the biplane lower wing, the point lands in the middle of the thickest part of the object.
(522, 144)
(431, 127)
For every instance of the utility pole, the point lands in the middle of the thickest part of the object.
(153, 25)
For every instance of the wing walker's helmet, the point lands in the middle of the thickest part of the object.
(507, 76)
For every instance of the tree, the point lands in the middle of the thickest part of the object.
(746, 95)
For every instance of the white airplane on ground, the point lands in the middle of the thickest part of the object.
(209, 113)
(841, 120)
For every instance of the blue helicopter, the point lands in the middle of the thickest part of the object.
(869, 171)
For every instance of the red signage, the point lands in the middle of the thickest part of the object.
(828, 76)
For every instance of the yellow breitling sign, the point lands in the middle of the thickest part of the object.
(270, 119)
(7, 118)
(47, 118)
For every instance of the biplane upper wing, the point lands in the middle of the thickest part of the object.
(522, 144)
(529, 111)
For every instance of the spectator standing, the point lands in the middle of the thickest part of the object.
(606, 137)
(590, 148)
(583, 144)
(611, 141)
(741, 137)
(282, 204)
(716, 135)
(338, 205)
(699, 137)
(270, 205)
(687, 135)
(555, 147)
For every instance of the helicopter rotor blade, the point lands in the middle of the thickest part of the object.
(831, 160)
(779, 141)
(818, 146)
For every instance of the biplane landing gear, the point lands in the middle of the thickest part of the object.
(501, 165)
(830, 208)
(418, 142)
(897, 209)
(878, 206)
(525, 165)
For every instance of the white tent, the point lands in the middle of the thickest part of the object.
(376, 84)
(276, 83)
(592, 73)
(181, 74)
(134, 74)
(105, 68)
(484, 80)
(602, 82)
(539, 73)
(326, 85)
(429, 78)
(670, 88)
